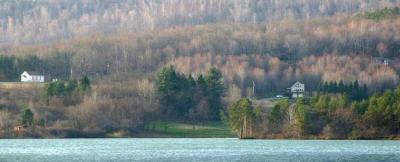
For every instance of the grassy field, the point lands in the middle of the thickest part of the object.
(182, 130)
(20, 85)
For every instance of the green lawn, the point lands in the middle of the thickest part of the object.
(183, 130)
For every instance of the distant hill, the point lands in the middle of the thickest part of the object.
(123, 48)
(273, 54)
(33, 21)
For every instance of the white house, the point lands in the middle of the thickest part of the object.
(297, 90)
(32, 77)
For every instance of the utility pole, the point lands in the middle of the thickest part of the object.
(251, 91)
(254, 91)
(71, 74)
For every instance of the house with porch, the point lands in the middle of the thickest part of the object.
(297, 90)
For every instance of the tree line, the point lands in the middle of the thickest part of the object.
(71, 91)
(65, 19)
(352, 89)
(384, 13)
(58, 65)
(328, 116)
(188, 98)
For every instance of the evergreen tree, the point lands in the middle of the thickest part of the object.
(346, 88)
(71, 86)
(331, 87)
(326, 87)
(356, 85)
(216, 89)
(359, 108)
(168, 86)
(364, 91)
(192, 82)
(322, 104)
(335, 87)
(179, 93)
(302, 117)
(351, 87)
(50, 89)
(202, 84)
(320, 87)
(341, 86)
(59, 89)
(85, 84)
(277, 116)
(27, 117)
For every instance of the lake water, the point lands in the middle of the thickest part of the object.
(74, 150)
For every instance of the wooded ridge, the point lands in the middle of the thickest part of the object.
(123, 68)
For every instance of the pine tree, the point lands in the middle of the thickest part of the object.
(341, 86)
(216, 89)
(326, 87)
(85, 84)
(27, 117)
(335, 87)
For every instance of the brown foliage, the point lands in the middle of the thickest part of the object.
(350, 68)
(273, 75)
(44, 21)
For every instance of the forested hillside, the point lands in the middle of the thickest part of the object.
(322, 49)
(124, 66)
(33, 21)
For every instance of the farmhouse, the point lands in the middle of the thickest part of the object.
(297, 90)
(34, 77)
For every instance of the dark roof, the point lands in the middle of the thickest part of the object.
(296, 83)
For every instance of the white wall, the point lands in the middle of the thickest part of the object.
(25, 77)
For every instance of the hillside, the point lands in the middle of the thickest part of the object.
(294, 50)
(124, 66)
(34, 21)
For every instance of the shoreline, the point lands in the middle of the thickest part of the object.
(198, 137)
